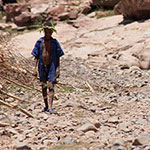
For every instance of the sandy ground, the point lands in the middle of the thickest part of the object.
(69, 36)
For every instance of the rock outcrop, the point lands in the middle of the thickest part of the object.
(23, 14)
(28, 12)
(135, 9)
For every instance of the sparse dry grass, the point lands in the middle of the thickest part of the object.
(76, 146)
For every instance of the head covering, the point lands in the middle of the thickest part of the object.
(49, 25)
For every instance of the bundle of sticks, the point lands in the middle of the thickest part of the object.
(15, 70)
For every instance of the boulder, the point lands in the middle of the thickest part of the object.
(63, 16)
(23, 19)
(39, 9)
(73, 14)
(14, 10)
(57, 10)
(85, 6)
(85, 9)
(135, 9)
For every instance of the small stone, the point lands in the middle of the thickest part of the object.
(87, 127)
(142, 140)
(69, 140)
(114, 120)
(22, 146)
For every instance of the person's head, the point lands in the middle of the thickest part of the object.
(48, 28)
(48, 32)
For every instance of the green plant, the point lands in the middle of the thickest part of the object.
(104, 13)
(68, 90)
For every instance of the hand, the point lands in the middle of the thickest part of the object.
(35, 72)
(57, 72)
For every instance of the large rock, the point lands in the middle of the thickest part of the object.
(143, 139)
(135, 9)
(85, 6)
(54, 11)
(23, 19)
(21, 14)
(14, 10)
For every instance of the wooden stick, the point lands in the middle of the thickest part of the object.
(59, 82)
(58, 86)
(90, 87)
(17, 107)
(6, 104)
(16, 83)
(15, 97)
(24, 86)
(25, 112)
(4, 124)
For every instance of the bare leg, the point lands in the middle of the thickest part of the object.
(44, 93)
(51, 97)
(51, 94)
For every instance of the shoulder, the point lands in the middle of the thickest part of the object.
(55, 41)
(40, 39)
(38, 42)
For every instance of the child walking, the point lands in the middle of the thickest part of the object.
(47, 52)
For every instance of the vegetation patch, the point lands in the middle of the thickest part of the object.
(104, 13)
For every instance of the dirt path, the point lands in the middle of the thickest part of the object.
(113, 115)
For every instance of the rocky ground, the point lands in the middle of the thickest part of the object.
(101, 103)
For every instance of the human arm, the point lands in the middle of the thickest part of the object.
(59, 54)
(58, 68)
(36, 53)
(35, 67)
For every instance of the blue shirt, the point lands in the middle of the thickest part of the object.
(56, 52)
